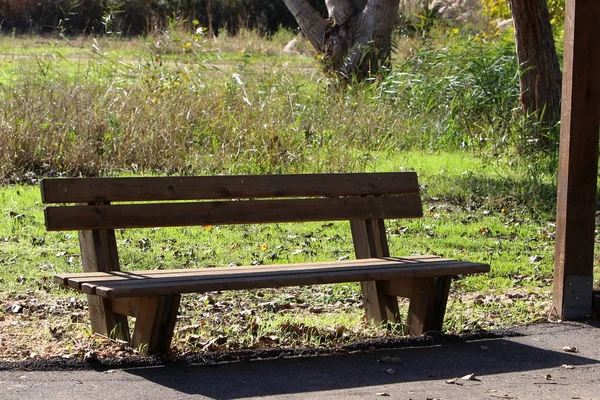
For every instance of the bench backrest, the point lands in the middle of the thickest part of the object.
(114, 203)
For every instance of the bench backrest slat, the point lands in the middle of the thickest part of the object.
(84, 217)
(87, 190)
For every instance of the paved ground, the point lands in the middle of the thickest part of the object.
(528, 363)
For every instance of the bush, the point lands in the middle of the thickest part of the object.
(137, 17)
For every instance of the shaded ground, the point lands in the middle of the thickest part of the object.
(523, 363)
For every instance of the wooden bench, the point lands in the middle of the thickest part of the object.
(97, 206)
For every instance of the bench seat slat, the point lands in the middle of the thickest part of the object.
(85, 190)
(76, 280)
(87, 217)
(168, 282)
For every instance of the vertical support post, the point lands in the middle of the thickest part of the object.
(578, 161)
(428, 304)
(155, 323)
(99, 254)
(370, 240)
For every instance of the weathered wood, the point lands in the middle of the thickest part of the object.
(152, 296)
(417, 265)
(399, 287)
(155, 324)
(99, 254)
(145, 333)
(126, 306)
(85, 190)
(578, 162)
(99, 251)
(370, 240)
(427, 304)
(230, 212)
(165, 282)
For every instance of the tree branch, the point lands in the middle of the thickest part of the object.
(342, 10)
(312, 24)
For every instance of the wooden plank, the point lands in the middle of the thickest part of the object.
(106, 322)
(99, 254)
(230, 212)
(408, 262)
(75, 279)
(429, 267)
(399, 287)
(427, 305)
(203, 283)
(126, 306)
(200, 284)
(578, 162)
(147, 324)
(167, 324)
(370, 240)
(99, 251)
(85, 190)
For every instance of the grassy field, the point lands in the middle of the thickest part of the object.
(181, 104)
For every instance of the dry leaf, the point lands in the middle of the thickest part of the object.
(470, 377)
(454, 381)
(567, 366)
(571, 349)
(391, 371)
(383, 394)
(548, 377)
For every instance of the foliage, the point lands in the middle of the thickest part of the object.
(179, 104)
(501, 9)
(474, 209)
(190, 104)
(141, 16)
(467, 89)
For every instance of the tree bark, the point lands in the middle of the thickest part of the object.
(540, 73)
(355, 40)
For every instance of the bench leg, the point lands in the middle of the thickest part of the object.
(106, 322)
(380, 308)
(428, 304)
(155, 323)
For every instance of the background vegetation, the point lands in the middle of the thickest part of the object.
(178, 100)
(117, 17)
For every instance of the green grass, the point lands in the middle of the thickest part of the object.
(516, 242)
(236, 105)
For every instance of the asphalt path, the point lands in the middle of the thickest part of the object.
(542, 361)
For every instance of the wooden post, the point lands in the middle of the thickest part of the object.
(370, 240)
(578, 161)
(99, 253)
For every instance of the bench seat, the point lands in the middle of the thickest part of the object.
(177, 281)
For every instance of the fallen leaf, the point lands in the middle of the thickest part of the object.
(484, 348)
(391, 371)
(567, 366)
(454, 381)
(383, 394)
(534, 259)
(548, 377)
(470, 377)
(571, 349)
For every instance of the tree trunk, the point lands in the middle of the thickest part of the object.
(540, 73)
(355, 40)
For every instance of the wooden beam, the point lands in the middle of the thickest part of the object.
(578, 161)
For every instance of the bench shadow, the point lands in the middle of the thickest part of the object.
(334, 372)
